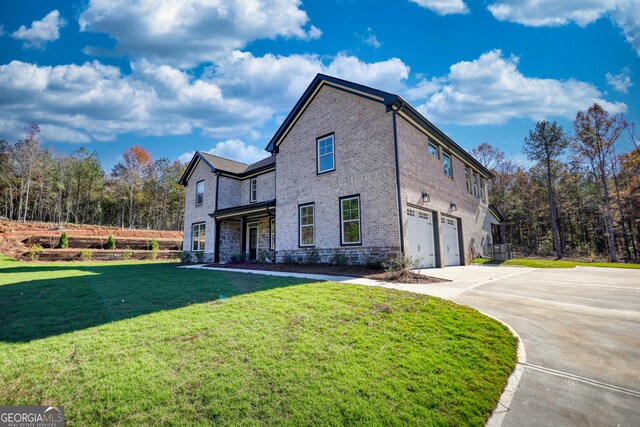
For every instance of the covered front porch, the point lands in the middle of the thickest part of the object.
(245, 233)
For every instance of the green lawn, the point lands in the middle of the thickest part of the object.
(548, 263)
(141, 343)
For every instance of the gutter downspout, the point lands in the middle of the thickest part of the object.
(395, 143)
(216, 248)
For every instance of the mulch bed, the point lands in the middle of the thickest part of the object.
(337, 270)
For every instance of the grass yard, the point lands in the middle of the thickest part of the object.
(548, 263)
(141, 343)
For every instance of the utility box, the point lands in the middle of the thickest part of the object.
(500, 252)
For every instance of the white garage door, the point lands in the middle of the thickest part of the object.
(450, 242)
(420, 233)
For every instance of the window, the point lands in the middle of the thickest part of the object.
(199, 192)
(433, 149)
(253, 190)
(482, 194)
(467, 178)
(325, 154)
(350, 220)
(197, 237)
(475, 185)
(272, 245)
(307, 228)
(446, 164)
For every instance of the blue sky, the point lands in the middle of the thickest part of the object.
(219, 76)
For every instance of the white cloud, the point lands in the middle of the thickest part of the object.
(491, 90)
(190, 32)
(279, 81)
(538, 13)
(370, 39)
(41, 32)
(233, 100)
(233, 149)
(443, 7)
(621, 81)
(97, 100)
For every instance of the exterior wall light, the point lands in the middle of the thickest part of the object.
(426, 198)
(453, 207)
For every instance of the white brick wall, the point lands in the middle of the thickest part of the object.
(364, 164)
(194, 214)
(421, 172)
(266, 188)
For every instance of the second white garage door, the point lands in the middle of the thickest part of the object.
(450, 242)
(420, 233)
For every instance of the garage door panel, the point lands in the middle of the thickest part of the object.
(420, 234)
(450, 241)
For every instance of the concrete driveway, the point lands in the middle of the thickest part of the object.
(581, 332)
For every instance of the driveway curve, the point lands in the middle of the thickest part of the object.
(581, 331)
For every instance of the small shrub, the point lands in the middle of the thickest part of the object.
(64, 240)
(154, 245)
(86, 255)
(34, 252)
(185, 257)
(312, 256)
(374, 263)
(339, 259)
(154, 254)
(289, 258)
(199, 257)
(402, 263)
(127, 254)
(264, 255)
(111, 242)
(238, 258)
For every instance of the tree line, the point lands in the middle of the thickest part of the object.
(37, 184)
(581, 197)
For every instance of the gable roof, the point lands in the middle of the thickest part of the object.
(225, 166)
(392, 101)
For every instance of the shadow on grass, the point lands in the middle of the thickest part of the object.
(38, 301)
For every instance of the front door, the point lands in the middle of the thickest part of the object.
(253, 242)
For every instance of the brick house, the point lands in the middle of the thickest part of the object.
(353, 171)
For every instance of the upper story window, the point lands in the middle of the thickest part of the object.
(197, 237)
(482, 190)
(306, 218)
(350, 220)
(475, 185)
(253, 190)
(433, 149)
(326, 154)
(446, 165)
(199, 192)
(467, 178)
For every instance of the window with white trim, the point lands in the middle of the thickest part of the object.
(307, 225)
(326, 158)
(197, 237)
(350, 220)
(253, 185)
(482, 190)
(272, 244)
(467, 178)
(446, 165)
(433, 149)
(199, 192)
(475, 185)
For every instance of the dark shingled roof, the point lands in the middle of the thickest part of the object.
(271, 160)
(221, 163)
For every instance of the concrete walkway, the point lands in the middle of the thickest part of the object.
(580, 328)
